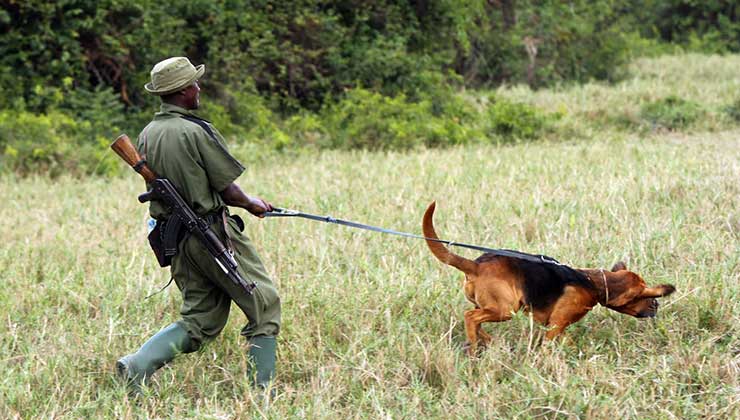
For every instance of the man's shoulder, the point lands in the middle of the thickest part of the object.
(178, 125)
(203, 124)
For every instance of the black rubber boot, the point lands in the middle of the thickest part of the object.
(161, 348)
(262, 349)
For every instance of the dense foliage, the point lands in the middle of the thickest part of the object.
(345, 73)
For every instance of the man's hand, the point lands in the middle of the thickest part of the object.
(258, 206)
(234, 196)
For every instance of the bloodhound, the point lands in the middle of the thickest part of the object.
(556, 295)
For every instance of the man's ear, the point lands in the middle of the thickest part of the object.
(620, 265)
(623, 287)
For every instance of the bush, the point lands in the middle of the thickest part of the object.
(369, 120)
(706, 26)
(298, 54)
(511, 121)
(307, 129)
(245, 118)
(670, 113)
(542, 43)
(733, 110)
(101, 109)
(53, 143)
(72, 137)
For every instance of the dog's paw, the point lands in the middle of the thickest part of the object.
(467, 349)
(472, 351)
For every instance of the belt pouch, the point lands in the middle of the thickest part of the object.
(155, 242)
(164, 239)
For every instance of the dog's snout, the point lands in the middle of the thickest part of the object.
(647, 314)
(650, 311)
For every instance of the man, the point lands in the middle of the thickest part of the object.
(192, 154)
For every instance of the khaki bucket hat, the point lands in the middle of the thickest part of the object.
(172, 75)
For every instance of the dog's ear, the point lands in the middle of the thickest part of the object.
(658, 291)
(623, 287)
(620, 265)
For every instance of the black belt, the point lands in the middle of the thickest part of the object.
(210, 218)
(213, 217)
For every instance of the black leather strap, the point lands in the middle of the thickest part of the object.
(203, 123)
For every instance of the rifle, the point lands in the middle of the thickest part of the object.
(162, 190)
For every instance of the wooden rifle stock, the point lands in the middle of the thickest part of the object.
(126, 150)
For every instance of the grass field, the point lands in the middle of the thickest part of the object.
(372, 324)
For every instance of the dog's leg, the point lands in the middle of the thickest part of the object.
(474, 318)
(570, 308)
(484, 337)
(561, 318)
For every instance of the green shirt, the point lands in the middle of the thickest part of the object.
(198, 165)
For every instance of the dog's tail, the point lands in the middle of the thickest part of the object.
(440, 251)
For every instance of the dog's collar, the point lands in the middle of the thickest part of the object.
(602, 296)
(606, 287)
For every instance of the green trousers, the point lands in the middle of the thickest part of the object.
(206, 300)
(207, 293)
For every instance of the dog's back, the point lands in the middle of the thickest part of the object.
(542, 283)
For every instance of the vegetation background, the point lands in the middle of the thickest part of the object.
(588, 130)
(314, 74)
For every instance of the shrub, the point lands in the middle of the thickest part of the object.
(733, 110)
(300, 53)
(516, 121)
(707, 26)
(72, 137)
(307, 129)
(245, 117)
(51, 143)
(369, 120)
(101, 109)
(249, 110)
(670, 113)
(454, 119)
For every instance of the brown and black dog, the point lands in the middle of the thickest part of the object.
(556, 295)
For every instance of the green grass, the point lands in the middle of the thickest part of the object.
(710, 80)
(372, 323)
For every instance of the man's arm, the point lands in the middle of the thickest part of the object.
(234, 196)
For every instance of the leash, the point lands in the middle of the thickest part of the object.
(278, 212)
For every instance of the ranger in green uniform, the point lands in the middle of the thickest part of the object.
(192, 154)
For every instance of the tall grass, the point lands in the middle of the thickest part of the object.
(711, 80)
(373, 323)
